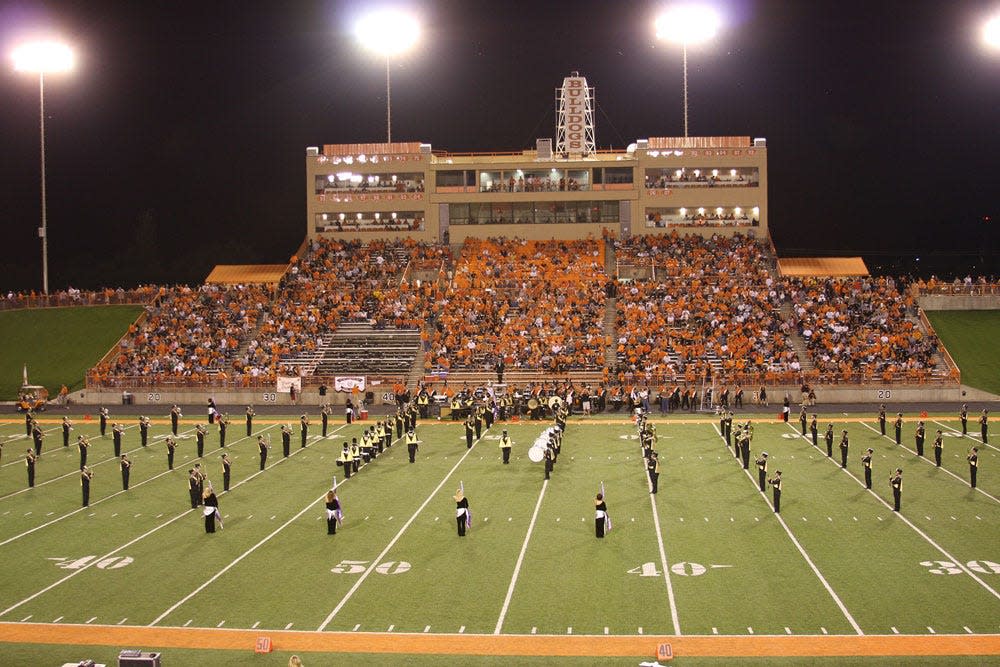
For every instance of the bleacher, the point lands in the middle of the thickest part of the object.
(358, 348)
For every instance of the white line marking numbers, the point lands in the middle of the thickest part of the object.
(111, 563)
(947, 567)
(359, 566)
(682, 568)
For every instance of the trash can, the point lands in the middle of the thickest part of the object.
(364, 414)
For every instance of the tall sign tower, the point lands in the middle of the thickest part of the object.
(575, 117)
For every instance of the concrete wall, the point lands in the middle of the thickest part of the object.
(959, 302)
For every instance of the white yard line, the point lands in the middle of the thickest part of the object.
(909, 523)
(812, 566)
(520, 560)
(378, 559)
(663, 560)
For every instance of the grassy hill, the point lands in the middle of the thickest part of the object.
(970, 337)
(57, 344)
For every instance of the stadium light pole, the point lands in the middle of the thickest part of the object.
(41, 58)
(684, 25)
(388, 32)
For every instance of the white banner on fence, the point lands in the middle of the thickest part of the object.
(285, 384)
(349, 382)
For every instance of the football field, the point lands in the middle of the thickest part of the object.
(704, 561)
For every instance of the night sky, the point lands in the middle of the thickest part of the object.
(178, 142)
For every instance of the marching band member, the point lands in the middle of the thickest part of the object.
(199, 433)
(761, 470)
(144, 430)
(462, 516)
(304, 428)
(775, 483)
(973, 459)
(250, 416)
(470, 431)
(896, 482)
(505, 445)
(286, 439)
(601, 519)
(29, 460)
(104, 414)
(262, 448)
(653, 469)
(210, 509)
(126, 467)
(38, 435)
(175, 415)
(116, 436)
(67, 426)
(86, 474)
(223, 425)
(226, 470)
(171, 448)
(82, 444)
(325, 412)
(412, 444)
(334, 514)
(346, 460)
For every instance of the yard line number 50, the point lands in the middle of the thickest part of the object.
(359, 566)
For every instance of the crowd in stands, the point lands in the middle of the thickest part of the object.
(711, 308)
(533, 304)
(191, 333)
(861, 328)
(697, 307)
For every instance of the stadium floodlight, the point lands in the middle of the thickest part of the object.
(41, 58)
(991, 33)
(388, 32)
(687, 24)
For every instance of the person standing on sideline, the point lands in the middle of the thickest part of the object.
(262, 448)
(250, 416)
(86, 474)
(67, 426)
(175, 416)
(761, 470)
(213, 411)
(349, 411)
(304, 429)
(286, 439)
(324, 414)
(104, 414)
(814, 430)
(775, 483)
(83, 445)
(802, 418)
(918, 438)
(29, 460)
(881, 418)
(126, 467)
(896, 482)
(144, 430)
(600, 515)
(505, 445)
(828, 436)
(899, 428)
(786, 408)
(843, 449)
(964, 416)
(866, 462)
(227, 466)
(938, 447)
(462, 518)
(171, 448)
(984, 426)
(653, 469)
(334, 515)
(973, 458)
(223, 425)
(412, 444)
(210, 509)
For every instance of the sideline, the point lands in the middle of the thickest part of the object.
(806, 646)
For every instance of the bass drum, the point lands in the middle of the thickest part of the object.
(536, 454)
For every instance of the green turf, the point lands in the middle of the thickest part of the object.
(59, 345)
(970, 336)
(733, 567)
